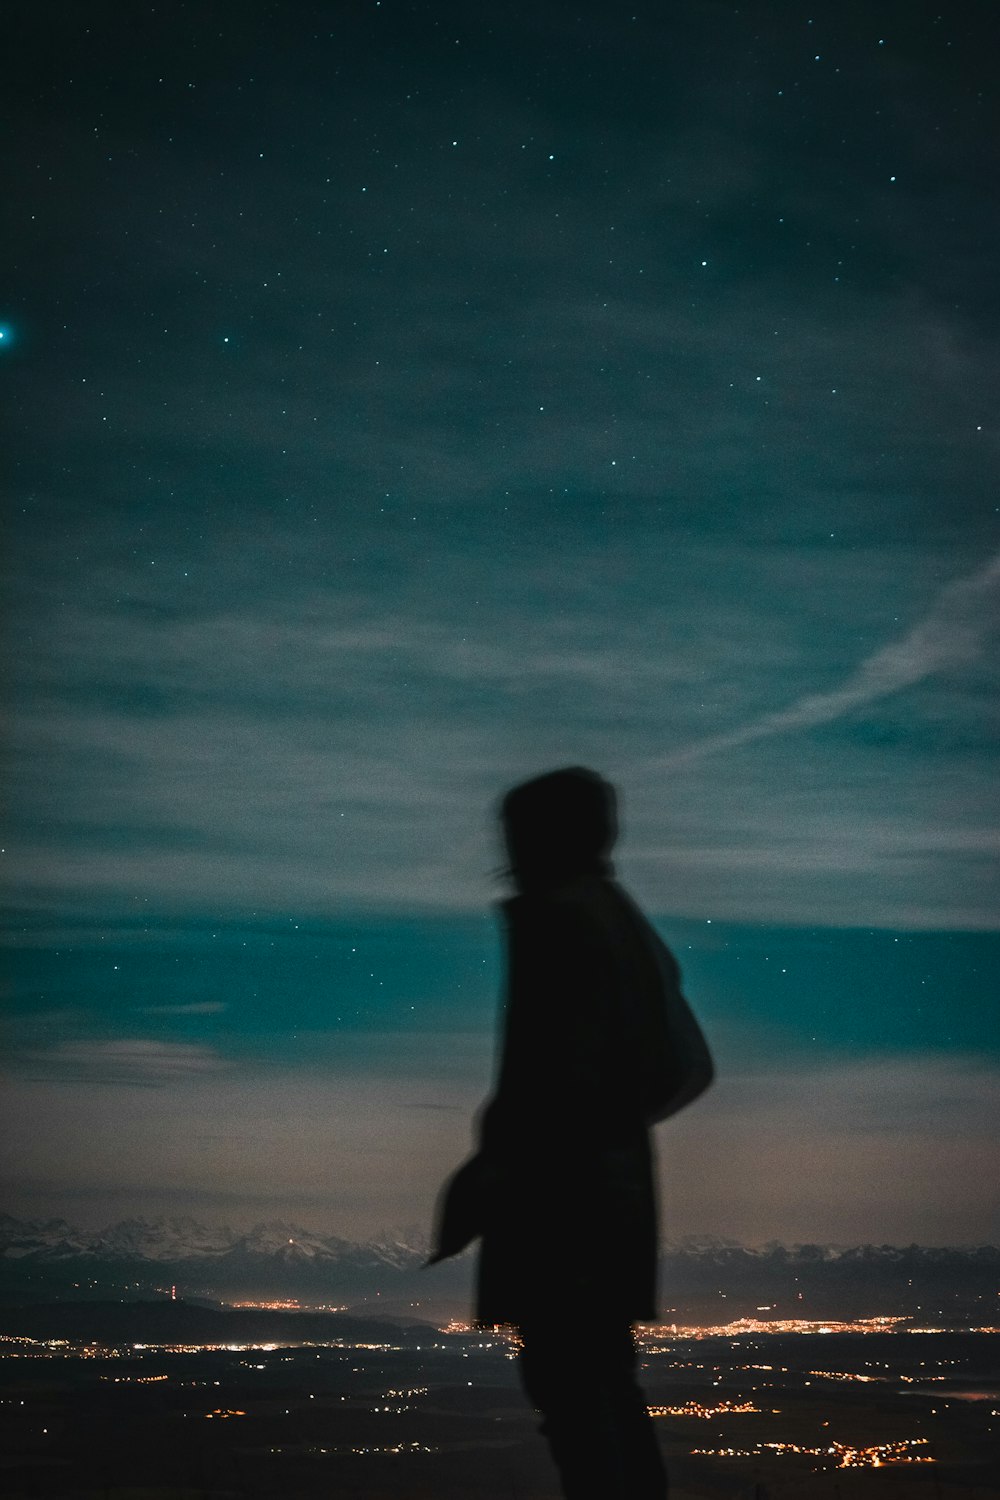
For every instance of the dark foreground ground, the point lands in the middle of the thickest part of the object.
(438, 1417)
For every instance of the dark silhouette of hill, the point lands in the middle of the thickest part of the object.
(178, 1322)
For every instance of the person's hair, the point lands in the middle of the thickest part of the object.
(560, 825)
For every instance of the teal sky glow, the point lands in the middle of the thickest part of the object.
(423, 398)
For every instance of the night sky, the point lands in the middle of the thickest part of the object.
(401, 399)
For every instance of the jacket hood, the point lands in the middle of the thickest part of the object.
(558, 827)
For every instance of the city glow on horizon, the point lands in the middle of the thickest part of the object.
(740, 1327)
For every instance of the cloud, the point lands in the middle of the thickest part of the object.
(950, 635)
(195, 1008)
(125, 1062)
(303, 764)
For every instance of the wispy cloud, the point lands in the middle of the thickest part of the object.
(195, 1008)
(132, 1061)
(951, 634)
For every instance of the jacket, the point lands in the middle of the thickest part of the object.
(598, 1044)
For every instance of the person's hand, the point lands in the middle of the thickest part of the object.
(460, 1211)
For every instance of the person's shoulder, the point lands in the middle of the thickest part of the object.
(598, 910)
(642, 928)
(611, 902)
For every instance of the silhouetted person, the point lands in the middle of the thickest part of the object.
(598, 1044)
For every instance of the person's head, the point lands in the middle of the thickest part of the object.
(559, 826)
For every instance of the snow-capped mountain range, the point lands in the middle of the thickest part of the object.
(272, 1261)
(703, 1277)
(179, 1240)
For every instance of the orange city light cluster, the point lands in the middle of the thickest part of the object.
(875, 1456)
(695, 1409)
(742, 1326)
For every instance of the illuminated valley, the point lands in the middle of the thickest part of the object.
(426, 1411)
